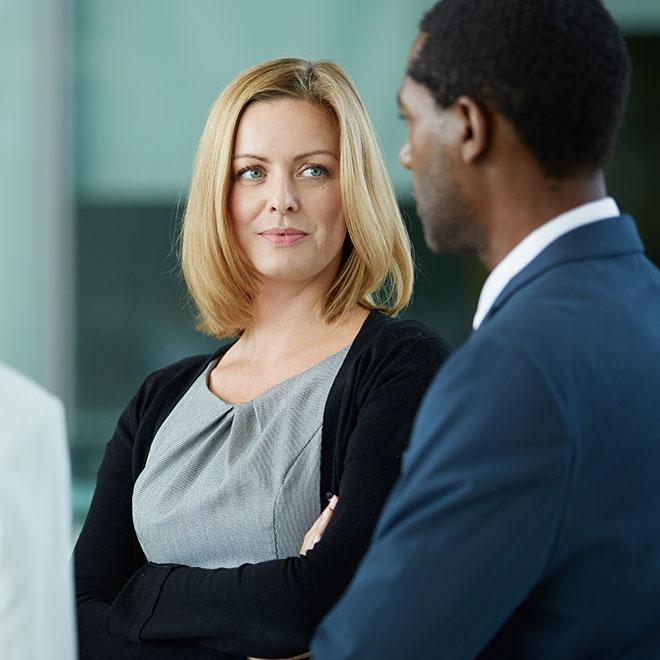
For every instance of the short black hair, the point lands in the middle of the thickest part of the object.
(558, 70)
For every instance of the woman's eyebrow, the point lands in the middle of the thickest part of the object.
(318, 152)
(262, 158)
(307, 154)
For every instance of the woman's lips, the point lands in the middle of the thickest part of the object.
(283, 237)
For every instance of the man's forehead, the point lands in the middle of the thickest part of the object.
(416, 46)
(409, 91)
(402, 93)
(416, 100)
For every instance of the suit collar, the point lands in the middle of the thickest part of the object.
(606, 238)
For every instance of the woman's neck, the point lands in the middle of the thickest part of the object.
(288, 320)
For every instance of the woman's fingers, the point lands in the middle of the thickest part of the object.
(323, 520)
(312, 537)
(317, 530)
(325, 517)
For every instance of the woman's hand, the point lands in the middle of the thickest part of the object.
(312, 537)
(316, 531)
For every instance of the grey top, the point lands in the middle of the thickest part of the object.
(225, 484)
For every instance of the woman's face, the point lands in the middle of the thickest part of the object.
(285, 201)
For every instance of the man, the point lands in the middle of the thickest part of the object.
(526, 520)
(36, 590)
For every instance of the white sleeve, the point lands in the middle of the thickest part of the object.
(36, 586)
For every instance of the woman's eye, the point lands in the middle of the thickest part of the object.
(315, 171)
(250, 174)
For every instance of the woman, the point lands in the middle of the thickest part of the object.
(293, 242)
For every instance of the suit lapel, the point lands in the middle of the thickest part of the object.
(598, 240)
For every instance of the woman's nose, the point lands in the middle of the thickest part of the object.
(284, 198)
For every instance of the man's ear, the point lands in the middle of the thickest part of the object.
(475, 137)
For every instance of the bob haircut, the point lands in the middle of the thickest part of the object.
(376, 270)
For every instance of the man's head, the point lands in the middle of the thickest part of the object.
(555, 72)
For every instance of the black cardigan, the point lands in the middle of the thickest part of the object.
(129, 608)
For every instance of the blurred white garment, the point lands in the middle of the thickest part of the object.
(36, 585)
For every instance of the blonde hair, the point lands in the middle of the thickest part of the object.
(377, 268)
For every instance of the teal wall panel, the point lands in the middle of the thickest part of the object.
(636, 16)
(19, 222)
(148, 71)
(36, 244)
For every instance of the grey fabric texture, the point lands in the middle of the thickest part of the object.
(225, 484)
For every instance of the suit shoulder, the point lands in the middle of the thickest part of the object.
(496, 354)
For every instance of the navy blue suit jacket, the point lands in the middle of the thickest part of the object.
(526, 522)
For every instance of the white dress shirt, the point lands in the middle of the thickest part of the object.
(533, 244)
(36, 586)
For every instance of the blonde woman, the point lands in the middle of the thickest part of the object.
(202, 540)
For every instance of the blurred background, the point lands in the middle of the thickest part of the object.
(101, 107)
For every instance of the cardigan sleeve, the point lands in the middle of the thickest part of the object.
(271, 609)
(107, 553)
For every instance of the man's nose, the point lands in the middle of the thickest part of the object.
(405, 155)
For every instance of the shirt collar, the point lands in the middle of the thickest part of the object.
(533, 244)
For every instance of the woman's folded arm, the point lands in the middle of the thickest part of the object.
(107, 554)
(271, 609)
